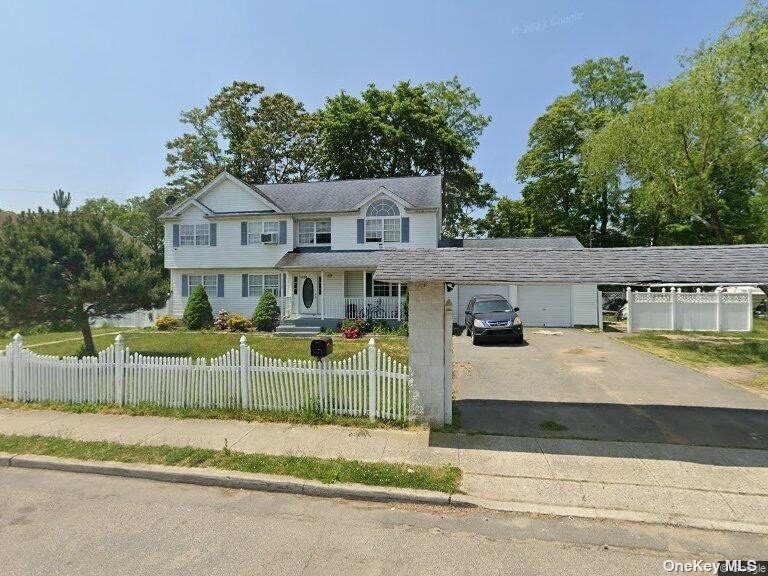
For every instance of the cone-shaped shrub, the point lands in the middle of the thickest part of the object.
(198, 314)
(267, 314)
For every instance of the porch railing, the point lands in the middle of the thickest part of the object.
(374, 308)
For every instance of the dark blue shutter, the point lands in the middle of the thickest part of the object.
(184, 285)
(245, 285)
(213, 234)
(283, 231)
(369, 284)
(220, 286)
(175, 235)
(243, 233)
(405, 229)
(361, 231)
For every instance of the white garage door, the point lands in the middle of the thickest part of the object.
(466, 291)
(545, 304)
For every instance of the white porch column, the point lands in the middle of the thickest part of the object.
(365, 299)
(322, 295)
(399, 313)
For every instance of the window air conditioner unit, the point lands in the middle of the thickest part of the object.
(270, 238)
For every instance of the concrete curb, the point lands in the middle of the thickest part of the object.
(230, 479)
(610, 514)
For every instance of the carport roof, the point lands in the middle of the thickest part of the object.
(747, 264)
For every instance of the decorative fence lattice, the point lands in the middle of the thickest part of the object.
(699, 311)
(370, 383)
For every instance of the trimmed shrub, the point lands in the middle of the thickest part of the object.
(222, 320)
(354, 328)
(238, 323)
(167, 322)
(198, 314)
(266, 317)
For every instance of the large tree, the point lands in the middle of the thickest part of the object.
(410, 130)
(693, 153)
(256, 138)
(71, 267)
(556, 193)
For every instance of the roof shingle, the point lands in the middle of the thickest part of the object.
(745, 264)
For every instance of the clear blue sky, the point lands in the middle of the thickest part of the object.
(91, 91)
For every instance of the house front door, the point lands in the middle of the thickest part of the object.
(308, 295)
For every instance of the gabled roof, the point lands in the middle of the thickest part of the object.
(415, 192)
(539, 243)
(744, 264)
(364, 259)
(418, 192)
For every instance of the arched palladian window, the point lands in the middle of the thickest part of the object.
(382, 222)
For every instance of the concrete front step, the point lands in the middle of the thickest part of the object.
(293, 330)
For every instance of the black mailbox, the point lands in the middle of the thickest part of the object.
(321, 346)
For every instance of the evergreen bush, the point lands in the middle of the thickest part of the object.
(198, 314)
(266, 317)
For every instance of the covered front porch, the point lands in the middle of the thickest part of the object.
(334, 294)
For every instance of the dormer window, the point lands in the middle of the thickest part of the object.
(382, 222)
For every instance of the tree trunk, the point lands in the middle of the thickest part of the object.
(85, 328)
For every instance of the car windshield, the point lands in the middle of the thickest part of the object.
(487, 306)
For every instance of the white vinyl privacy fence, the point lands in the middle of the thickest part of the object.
(700, 311)
(370, 383)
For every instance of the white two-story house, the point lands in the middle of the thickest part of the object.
(314, 245)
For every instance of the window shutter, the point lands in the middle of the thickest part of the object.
(405, 229)
(213, 234)
(245, 283)
(175, 235)
(361, 231)
(184, 285)
(369, 284)
(220, 286)
(283, 232)
(243, 233)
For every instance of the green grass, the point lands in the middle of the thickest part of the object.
(444, 479)
(712, 349)
(308, 417)
(34, 339)
(212, 344)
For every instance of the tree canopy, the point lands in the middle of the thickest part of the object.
(682, 163)
(71, 267)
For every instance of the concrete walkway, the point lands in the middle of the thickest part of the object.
(720, 488)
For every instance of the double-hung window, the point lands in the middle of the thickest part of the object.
(382, 222)
(194, 234)
(209, 282)
(256, 229)
(314, 232)
(260, 283)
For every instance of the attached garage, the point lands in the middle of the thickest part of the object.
(552, 305)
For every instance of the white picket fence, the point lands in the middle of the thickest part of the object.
(370, 383)
(698, 311)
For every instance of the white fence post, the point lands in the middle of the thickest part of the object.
(119, 370)
(371, 380)
(16, 366)
(672, 301)
(245, 357)
(600, 310)
(719, 310)
(750, 313)
(629, 310)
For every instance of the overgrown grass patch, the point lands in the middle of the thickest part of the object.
(442, 479)
(309, 417)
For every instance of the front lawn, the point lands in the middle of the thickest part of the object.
(211, 344)
(739, 357)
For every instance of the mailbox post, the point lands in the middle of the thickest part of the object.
(319, 348)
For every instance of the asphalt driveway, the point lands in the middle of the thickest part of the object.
(598, 388)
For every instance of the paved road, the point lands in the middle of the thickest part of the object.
(601, 389)
(61, 523)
